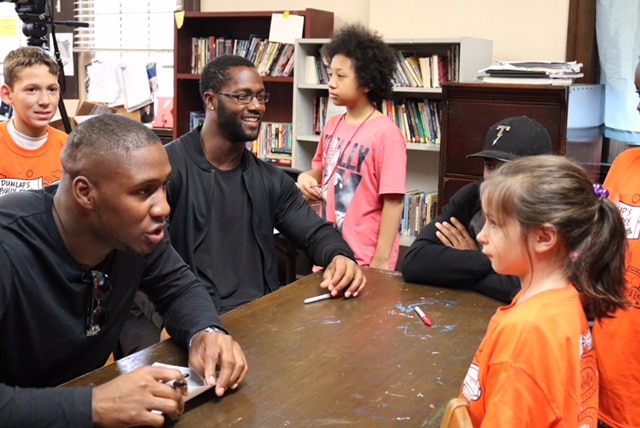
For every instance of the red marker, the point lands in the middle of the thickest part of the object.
(425, 319)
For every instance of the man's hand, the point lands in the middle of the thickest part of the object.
(455, 235)
(343, 275)
(209, 350)
(309, 187)
(129, 399)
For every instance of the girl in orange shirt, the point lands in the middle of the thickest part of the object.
(536, 365)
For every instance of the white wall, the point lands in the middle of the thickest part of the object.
(520, 29)
(344, 10)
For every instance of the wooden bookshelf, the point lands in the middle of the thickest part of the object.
(471, 55)
(240, 25)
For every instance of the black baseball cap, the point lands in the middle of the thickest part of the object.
(515, 137)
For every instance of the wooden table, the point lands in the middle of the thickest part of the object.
(368, 361)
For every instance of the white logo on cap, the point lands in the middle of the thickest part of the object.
(501, 130)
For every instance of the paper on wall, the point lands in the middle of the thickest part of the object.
(103, 83)
(285, 27)
(137, 92)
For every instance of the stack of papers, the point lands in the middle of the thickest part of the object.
(532, 72)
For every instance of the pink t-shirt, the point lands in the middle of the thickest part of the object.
(359, 165)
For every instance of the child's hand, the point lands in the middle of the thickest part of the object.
(310, 188)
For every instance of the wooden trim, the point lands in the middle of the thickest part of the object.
(581, 39)
(191, 6)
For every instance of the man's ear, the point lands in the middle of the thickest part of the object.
(82, 191)
(6, 94)
(211, 101)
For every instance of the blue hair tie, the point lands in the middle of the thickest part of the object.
(600, 191)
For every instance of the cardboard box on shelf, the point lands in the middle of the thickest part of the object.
(78, 111)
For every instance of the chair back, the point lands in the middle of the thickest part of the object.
(456, 415)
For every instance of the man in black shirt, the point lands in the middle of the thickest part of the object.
(72, 256)
(446, 252)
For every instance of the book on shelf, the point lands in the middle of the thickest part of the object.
(410, 78)
(425, 71)
(288, 68)
(311, 70)
(196, 118)
(269, 56)
(413, 65)
(254, 43)
(419, 209)
(283, 59)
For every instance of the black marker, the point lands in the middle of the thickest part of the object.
(180, 383)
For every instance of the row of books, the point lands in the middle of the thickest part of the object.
(419, 209)
(270, 58)
(418, 119)
(274, 143)
(532, 72)
(411, 70)
(431, 71)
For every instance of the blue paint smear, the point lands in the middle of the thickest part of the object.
(409, 307)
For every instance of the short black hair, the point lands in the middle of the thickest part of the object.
(105, 136)
(373, 60)
(216, 73)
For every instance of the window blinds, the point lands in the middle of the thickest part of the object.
(125, 25)
(129, 30)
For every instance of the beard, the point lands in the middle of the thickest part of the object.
(231, 125)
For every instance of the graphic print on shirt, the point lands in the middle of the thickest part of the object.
(588, 381)
(631, 217)
(11, 185)
(471, 388)
(343, 165)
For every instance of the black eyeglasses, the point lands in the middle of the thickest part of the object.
(262, 98)
(97, 315)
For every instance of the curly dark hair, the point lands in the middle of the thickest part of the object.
(374, 61)
(216, 73)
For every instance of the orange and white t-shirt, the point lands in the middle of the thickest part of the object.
(617, 339)
(23, 169)
(536, 366)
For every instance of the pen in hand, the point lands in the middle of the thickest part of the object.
(180, 383)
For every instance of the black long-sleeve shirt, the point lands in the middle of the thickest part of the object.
(44, 299)
(428, 261)
(276, 202)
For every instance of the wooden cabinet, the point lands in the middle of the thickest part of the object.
(469, 109)
(237, 25)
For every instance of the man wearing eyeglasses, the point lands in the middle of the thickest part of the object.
(225, 202)
(72, 257)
